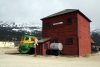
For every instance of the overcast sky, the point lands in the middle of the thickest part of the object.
(29, 11)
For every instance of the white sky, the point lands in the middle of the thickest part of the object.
(31, 11)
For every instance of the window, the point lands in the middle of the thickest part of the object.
(47, 25)
(32, 39)
(56, 40)
(26, 38)
(69, 40)
(69, 21)
(45, 46)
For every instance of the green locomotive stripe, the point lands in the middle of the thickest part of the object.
(26, 47)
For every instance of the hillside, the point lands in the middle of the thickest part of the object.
(14, 31)
(95, 34)
(11, 30)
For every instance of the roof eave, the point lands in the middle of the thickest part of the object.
(56, 15)
(84, 16)
(68, 13)
(44, 41)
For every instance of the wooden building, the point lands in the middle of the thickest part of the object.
(71, 28)
(44, 45)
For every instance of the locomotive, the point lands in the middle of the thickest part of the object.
(27, 44)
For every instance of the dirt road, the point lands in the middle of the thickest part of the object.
(7, 60)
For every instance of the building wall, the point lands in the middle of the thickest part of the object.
(45, 50)
(84, 36)
(39, 49)
(62, 31)
(6, 44)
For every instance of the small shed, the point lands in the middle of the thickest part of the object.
(43, 46)
(92, 41)
(93, 46)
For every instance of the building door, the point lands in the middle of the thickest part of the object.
(46, 48)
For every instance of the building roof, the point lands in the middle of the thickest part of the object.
(43, 40)
(66, 11)
(92, 41)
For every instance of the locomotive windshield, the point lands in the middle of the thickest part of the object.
(26, 38)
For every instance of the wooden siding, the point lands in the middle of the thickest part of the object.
(40, 50)
(62, 31)
(84, 36)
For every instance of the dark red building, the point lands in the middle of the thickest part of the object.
(71, 28)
